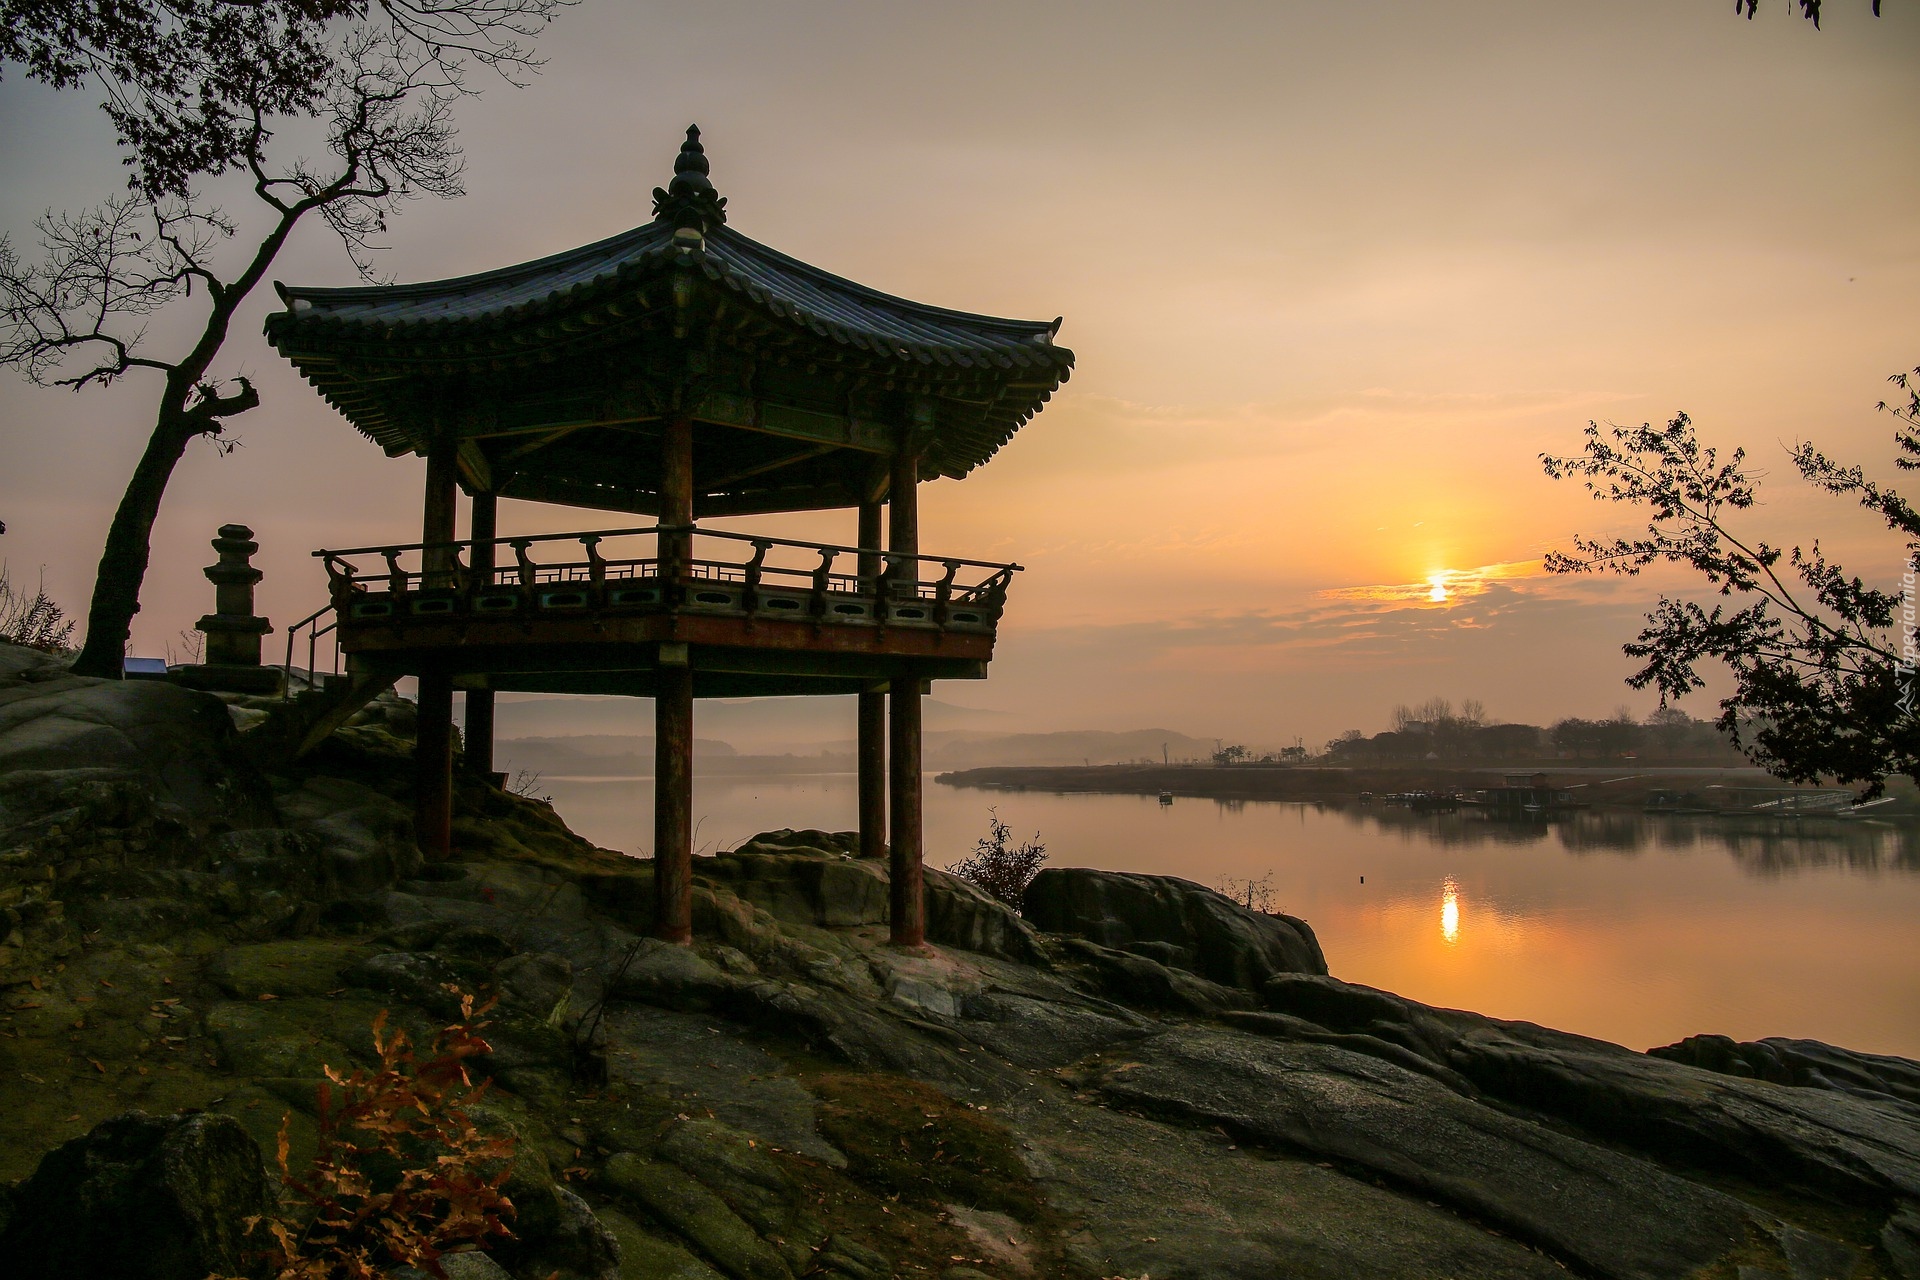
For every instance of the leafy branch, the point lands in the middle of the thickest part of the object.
(1822, 662)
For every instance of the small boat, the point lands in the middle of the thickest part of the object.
(1166, 797)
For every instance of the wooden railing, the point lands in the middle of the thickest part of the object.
(319, 623)
(662, 568)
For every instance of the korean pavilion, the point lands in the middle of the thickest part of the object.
(678, 372)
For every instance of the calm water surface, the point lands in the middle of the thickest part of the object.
(1637, 929)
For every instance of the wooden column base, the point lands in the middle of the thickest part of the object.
(673, 806)
(908, 917)
(433, 768)
(871, 754)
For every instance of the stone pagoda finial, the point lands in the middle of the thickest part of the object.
(690, 201)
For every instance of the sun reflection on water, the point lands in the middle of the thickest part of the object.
(1450, 911)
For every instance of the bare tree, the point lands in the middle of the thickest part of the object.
(199, 89)
(1002, 869)
(32, 620)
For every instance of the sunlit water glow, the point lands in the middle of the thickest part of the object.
(1634, 928)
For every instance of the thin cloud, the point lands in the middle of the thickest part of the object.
(1444, 588)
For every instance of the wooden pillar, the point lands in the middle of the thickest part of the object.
(433, 740)
(437, 519)
(903, 507)
(909, 915)
(676, 494)
(673, 709)
(433, 767)
(871, 750)
(479, 734)
(673, 803)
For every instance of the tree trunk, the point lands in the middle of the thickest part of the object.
(123, 563)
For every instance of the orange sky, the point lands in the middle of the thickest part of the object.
(1336, 274)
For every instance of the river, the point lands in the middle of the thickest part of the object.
(1637, 929)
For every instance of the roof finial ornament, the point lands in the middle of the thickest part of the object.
(690, 201)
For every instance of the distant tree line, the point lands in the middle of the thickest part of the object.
(1434, 732)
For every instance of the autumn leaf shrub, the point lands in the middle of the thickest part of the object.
(401, 1174)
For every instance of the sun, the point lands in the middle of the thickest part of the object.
(1439, 593)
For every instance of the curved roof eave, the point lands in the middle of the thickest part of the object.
(805, 297)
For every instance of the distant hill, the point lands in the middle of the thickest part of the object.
(758, 726)
(964, 749)
(630, 755)
(604, 755)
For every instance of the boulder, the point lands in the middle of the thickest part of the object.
(1605, 1213)
(554, 1230)
(176, 742)
(1831, 1143)
(1806, 1064)
(809, 878)
(961, 914)
(1131, 979)
(140, 1197)
(17, 660)
(1173, 922)
(823, 888)
(810, 838)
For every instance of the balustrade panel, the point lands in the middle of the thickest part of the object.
(619, 570)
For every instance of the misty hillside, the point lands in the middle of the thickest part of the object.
(962, 749)
(760, 726)
(627, 755)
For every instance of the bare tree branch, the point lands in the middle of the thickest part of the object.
(196, 88)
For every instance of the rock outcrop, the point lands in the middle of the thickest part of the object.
(1808, 1064)
(140, 1197)
(1175, 922)
(1138, 1077)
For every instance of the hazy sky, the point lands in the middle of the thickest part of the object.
(1336, 274)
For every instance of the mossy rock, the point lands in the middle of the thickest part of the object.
(262, 1106)
(905, 1138)
(300, 967)
(647, 1256)
(300, 1037)
(678, 1200)
(744, 1172)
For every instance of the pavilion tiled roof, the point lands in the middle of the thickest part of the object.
(686, 311)
(828, 305)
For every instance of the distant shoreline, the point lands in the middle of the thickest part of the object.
(1614, 785)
